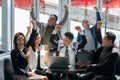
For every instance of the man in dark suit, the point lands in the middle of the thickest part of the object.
(105, 59)
(68, 48)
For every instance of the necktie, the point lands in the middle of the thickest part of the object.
(38, 61)
(67, 54)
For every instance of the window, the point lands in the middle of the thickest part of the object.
(22, 15)
(0, 24)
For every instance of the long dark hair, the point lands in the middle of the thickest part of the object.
(33, 43)
(15, 38)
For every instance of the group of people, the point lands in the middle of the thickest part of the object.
(26, 53)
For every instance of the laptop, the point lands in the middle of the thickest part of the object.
(57, 62)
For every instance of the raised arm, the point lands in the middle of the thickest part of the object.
(98, 32)
(54, 33)
(32, 12)
(63, 21)
(83, 41)
(33, 16)
(32, 36)
(98, 16)
(28, 33)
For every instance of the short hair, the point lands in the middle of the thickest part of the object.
(85, 20)
(69, 35)
(54, 16)
(111, 36)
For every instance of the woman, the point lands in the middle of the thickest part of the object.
(19, 54)
(37, 58)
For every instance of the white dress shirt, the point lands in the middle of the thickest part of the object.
(72, 49)
(71, 54)
(34, 58)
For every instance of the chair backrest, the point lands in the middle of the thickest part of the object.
(8, 68)
(117, 69)
(85, 56)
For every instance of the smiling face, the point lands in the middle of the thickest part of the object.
(86, 24)
(106, 42)
(37, 39)
(108, 39)
(66, 41)
(19, 41)
(52, 20)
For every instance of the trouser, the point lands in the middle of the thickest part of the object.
(71, 76)
(49, 75)
(102, 77)
(87, 76)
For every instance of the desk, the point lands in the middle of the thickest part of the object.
(70, 70)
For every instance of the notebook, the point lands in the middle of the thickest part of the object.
(58, 62)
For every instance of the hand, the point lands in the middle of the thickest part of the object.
(83, 64)
(43, 77)
(99, 24)
(96, 8)
(33, 23)
(117, 47)
(31, 74)
(29, 28)
(47, 47)
(78, 28)
(58, 27)
(66, 7)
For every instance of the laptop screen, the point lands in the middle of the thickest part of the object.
(58, 62)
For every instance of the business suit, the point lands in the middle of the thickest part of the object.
(105, 64)
(81, 44)
(20, 63)
(72, 49)
(93, 31)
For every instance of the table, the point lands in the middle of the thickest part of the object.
(71, 70)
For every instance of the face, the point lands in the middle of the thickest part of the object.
(86, 25)
(38, 39)
(106, 42)
(66, 41)
(51, 20)
(20, 41)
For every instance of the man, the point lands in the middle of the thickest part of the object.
(90, 33)
(105, 59)
(47, 29)
(67, 44)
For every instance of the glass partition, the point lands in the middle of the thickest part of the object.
(48, 7)
(0, 23)
(113, 17)
(82, 9)
(22, 15)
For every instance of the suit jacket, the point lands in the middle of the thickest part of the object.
(105, 64)
(75, 46)
(20, 63)
(81, 44)
(93, 31)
